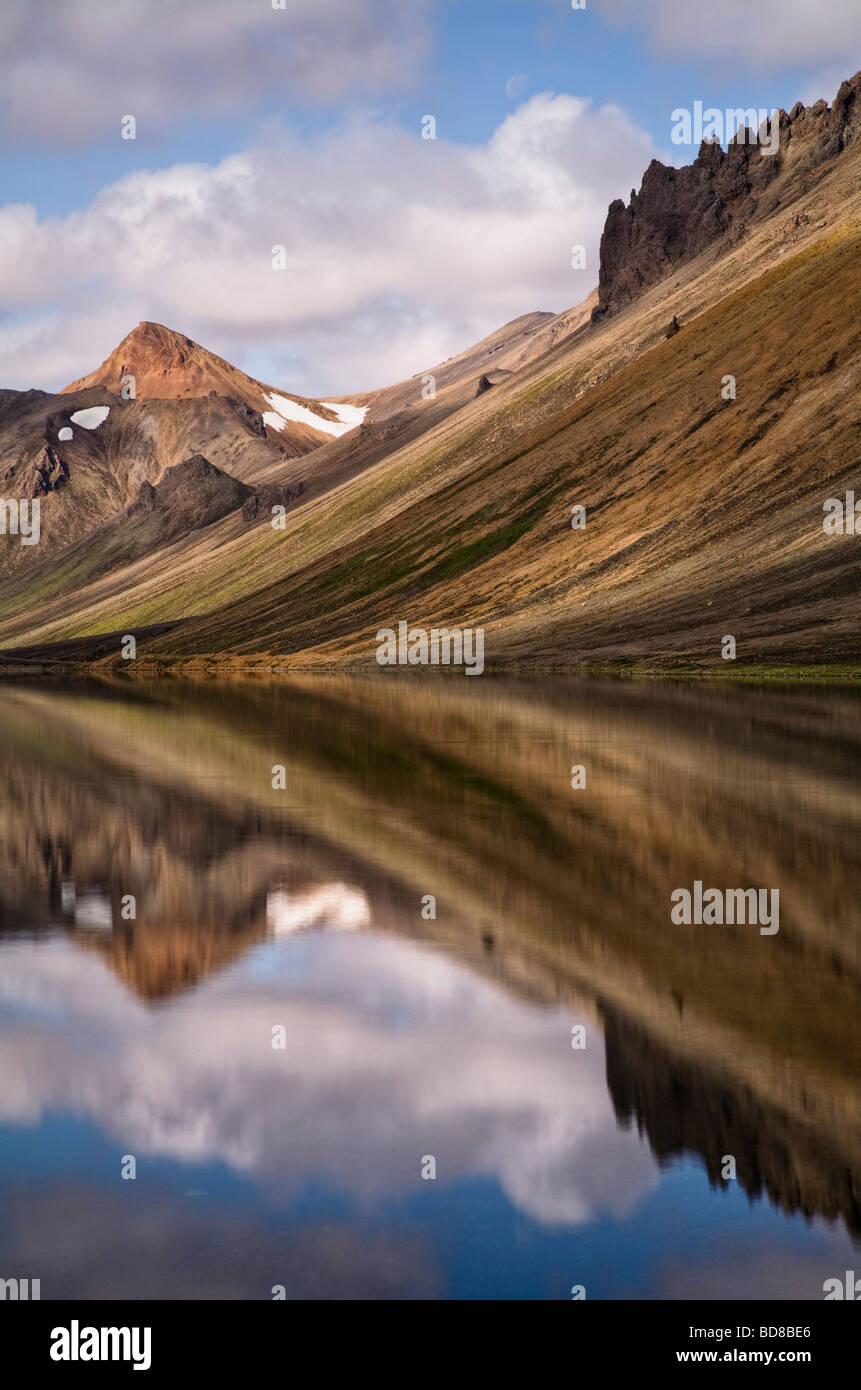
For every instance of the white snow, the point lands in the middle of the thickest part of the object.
(291, 410)
(273, 420)
(94, 909)
(92, 417)
(331, 905)
(352, 415)
(66, 434)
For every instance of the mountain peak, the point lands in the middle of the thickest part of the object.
(166, 365)
(158, 335)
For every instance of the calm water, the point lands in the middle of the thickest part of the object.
(409, 1038)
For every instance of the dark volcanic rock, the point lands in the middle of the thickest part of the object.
(252, 418)
(190, 495)
(262, 501)
(483, 385)
(45, 474)
(145, 502)
(680, 212)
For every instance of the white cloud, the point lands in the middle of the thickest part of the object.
(399, 251)
(71, 71)
(822, 85)
(768, 34)
(388, 1042)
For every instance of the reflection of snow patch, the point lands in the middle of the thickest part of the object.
(334, 905)
(66, 434)
(92, 417)
(94, 910)
(291, 410)
(67, 895)
(352, 415)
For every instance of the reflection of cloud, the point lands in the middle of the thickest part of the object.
(333, 905)
(392, 1052)
(97, 1243)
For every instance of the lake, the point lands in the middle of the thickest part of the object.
(369, 988)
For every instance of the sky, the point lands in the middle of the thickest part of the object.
(302, 124)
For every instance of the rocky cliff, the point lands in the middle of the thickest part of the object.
(680, 212)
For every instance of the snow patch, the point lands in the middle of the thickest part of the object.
(273, 420)
(94, 909)
(332, 905)
(92, 417)
(352, 415)
(291, 410)
(66, 434)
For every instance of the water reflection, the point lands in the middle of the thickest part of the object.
(408, 1035)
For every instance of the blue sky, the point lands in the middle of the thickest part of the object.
(301, 127)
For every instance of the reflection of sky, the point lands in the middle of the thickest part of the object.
(308, 1160)
(392, 1052)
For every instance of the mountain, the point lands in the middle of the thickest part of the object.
(88, 450)
(703, 460)
(680, 212)
(165, 365)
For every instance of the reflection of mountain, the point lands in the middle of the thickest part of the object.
(398, 790)
(685, 1107)
(210, 879)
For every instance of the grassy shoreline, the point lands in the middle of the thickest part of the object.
(229, 667)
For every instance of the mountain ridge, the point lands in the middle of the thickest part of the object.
(678, 213)
(452, 509)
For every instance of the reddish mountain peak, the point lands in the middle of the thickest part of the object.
(166, 365)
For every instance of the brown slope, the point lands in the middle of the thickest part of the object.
(188, 400)
(758, 463)
(456, 379)
(704, 515)
(396, 489)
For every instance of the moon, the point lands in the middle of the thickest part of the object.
(516, 86)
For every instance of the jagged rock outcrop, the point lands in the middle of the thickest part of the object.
(46, 473)
(252, 418)
(484, 384)
(192, 494)
(678, 213)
